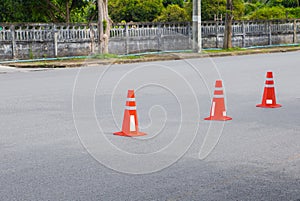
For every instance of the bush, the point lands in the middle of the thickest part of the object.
(134, 10)
(173, 13)
(293, 12)
(269, 13)
(251, 7)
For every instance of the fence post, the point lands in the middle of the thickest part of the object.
(270, 32)
(92, 32)
(13, 42)
(126, 38)
(244, 34)
(55, 34)
(159, 37)
(189, 34)
(217, 33)
(295, 31)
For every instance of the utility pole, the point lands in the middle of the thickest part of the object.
(197, 35)
(228, 25)
(100, 26)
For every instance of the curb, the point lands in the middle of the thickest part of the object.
(145, 58)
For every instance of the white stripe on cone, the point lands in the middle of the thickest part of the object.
(131, 99)
(213, 109)
(269, 101)
(132, 123)
(130, 107)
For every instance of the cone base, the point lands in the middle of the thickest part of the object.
(225, 118)
(133, 134)
(269, 106)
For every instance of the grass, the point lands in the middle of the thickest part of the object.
(226, 50)
(104, 56)
(131, 57)
(115, 56)
(79, 59)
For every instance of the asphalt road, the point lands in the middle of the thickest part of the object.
(56, 139)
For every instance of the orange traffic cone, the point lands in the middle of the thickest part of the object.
(218, 111)
(130, 126)
(269, 99)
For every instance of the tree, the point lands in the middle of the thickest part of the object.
(188, 7)
(234, 8)
(210, 8)
(20, 11)
(268, 13)
(290, 3)
(104, 23)
(43, 10)
(134, 10)
(62, 9)
(228, 25)
(293, 12)
(173, 13)
(173, 2)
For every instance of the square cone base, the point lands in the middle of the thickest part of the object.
(131, 134)
(218, 118)
(268, 106)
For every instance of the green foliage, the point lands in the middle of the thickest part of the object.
(142, 10)
(31, 56)
(284, 3)
(105, 56)
(272, 3)
(272, 9)
(173, 2)
(104, 25)
(18, 11)
(233, 49)
(43, 10)
(290, 3)
(188, 7)
(173, 13)
(238, 9)
(252, 7)
(267, 13)
(134, 10)
(210, 8)
(131, 57)
(293, 12)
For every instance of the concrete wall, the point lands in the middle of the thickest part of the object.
(143, 44)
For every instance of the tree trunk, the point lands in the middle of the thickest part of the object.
(100, 26)
(108, 25)
(104, 23)
(67, 12)
(228, 26)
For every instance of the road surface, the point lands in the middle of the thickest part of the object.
(56, 139)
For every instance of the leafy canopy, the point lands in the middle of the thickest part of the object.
(134, 10)
(173, 13)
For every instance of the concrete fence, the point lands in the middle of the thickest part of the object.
(36, 40)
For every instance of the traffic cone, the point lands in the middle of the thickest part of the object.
(269, 99)
(130, 126)
(218, 111)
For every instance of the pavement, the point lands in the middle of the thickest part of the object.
(56, 140)
(10, 69)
